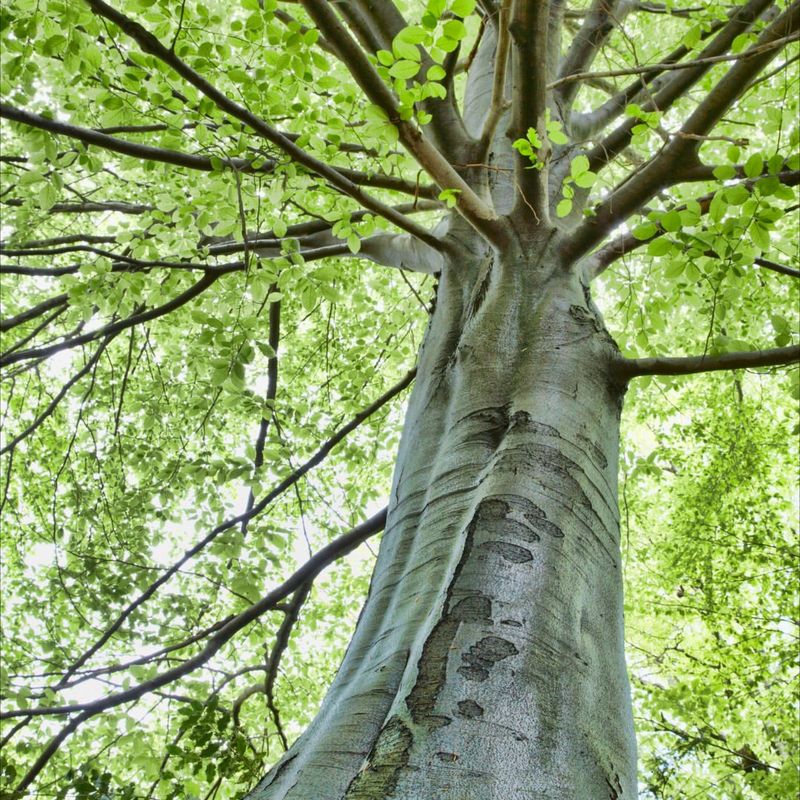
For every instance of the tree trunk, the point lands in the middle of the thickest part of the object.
(488, 659)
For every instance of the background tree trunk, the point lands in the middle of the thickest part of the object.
(488, 660)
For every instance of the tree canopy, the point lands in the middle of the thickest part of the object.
(206, 360)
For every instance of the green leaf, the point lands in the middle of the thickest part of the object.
(675, 269)
(736, 195)
(644, 231)
(564, 207)
(578, 166)
(47, 197)
(454, 29)
(671, 221)
(760, 236)
(449, 197)
(659, 247)
(754, 165)
(404, 69)
(724, 172)
(462, 8)
(405, 50)
(413, 35)
(354, 242)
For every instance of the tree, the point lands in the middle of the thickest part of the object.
(173, 173)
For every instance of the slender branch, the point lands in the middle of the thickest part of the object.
(649, 82)
(689, 365)
(232, 522)
(115, 327)
(50, 750)
(598, 24)
(676, 85)
(274, 338)
(150, 44)
(51, 407)
(37, 330)
(661, 169)
(775, 267)
(498, 104)
(267, 684)
(738, 78)
(278, 649)
(601, 259)
(71, 239)
(668, 65)
(319, 561)
(191, 161)
(89, 207)
(33, 312)
(142, 151)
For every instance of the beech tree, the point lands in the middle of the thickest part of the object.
(234, 235)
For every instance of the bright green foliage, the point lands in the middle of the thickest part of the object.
(712, 599)
(154, 446)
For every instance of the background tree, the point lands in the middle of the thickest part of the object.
(203, 375)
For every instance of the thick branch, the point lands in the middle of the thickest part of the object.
(474, 210)
(601, 259)
(663, 365)
(529, 32)
(601, 19)
(679, 83)
(403, 252)
(738, 78)
(584, 125)
(498, 103)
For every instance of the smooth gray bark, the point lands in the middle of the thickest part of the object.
(488, 660)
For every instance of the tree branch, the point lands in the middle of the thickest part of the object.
(498, 104)
(669, 65)
(89, 207)
(135, 149)
(529, 32)
(598, 24)
(742, 17)
(276, 492)
(273, 340)
(474, 210)
(327, 555)
(583, 125)
(150, 44)
(689, 365)
(90, 364)
(601, 259)
(661, 170)
(196, 162)
(33, 312)
(114, 328)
